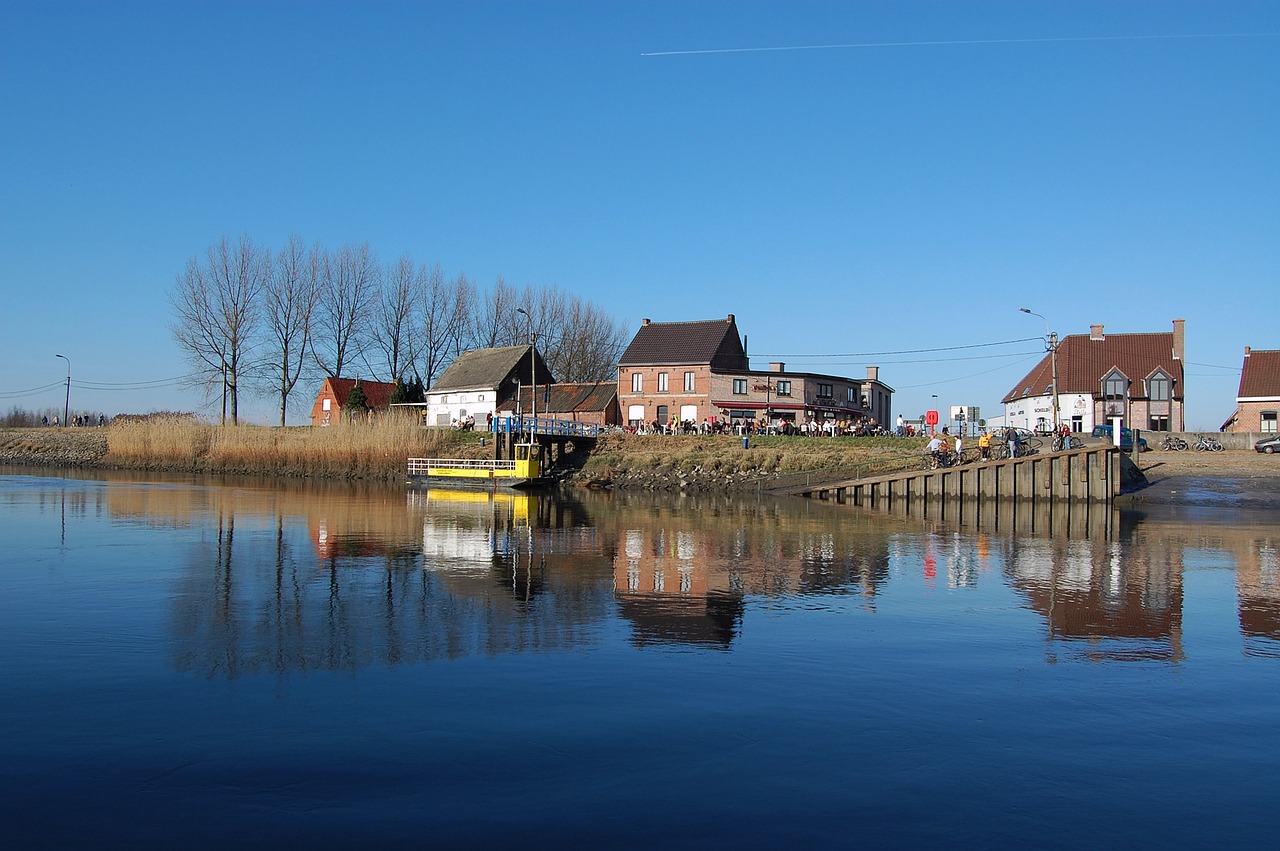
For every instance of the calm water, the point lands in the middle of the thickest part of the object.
(213, 664)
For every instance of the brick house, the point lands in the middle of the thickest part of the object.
(594, 402)
(480, 380)
(333, 394)
(1258, 399)
(1138, 377)
(695, 371)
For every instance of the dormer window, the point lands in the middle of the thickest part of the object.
(1115, 385)
(1159, 386)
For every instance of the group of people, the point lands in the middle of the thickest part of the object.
(743, 427)
(78, 421)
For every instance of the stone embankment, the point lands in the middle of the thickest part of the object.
(67, 447)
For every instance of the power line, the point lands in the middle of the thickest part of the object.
(904, 351)
(17, 394)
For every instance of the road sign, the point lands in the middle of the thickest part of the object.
(931, 418)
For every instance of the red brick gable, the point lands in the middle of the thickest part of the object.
(1260, 377)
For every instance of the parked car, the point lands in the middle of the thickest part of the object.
(1126, 437)
(1269, 445)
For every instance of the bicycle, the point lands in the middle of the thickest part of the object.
(1208, 444)
(1061, 443)
(1173, 444)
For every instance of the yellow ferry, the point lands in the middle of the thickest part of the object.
(523, 471)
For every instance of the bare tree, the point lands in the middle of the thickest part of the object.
(348, 291)
(289, 301)
(391, 329)
(216, 307)
(589, 345)
(494, 318)
(446, 311)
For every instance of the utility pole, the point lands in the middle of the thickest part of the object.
(66, 405)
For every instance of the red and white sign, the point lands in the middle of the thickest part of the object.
(931, 418)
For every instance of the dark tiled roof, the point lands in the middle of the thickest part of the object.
(487, 368)
(376, 393)
(1082, 363)
(1260, 377)
(586, 397)
(715, 342)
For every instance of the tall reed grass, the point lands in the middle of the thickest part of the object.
(376, 449)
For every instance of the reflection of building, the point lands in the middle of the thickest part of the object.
(1258, 582)
(687, 585)
(1116, 608)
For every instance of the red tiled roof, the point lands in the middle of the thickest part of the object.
(1260, 377)
(715, 342)
(376, 393)
(1083, 362)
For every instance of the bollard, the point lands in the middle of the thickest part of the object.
(745, 442)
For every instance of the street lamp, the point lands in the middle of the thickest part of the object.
(1051, 340)
(66, 406)
(533, 369)
(933, 428)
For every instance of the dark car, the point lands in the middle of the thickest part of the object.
(1126, 437)
(1269, 445)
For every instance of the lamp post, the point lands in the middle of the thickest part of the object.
(1051, 341)
(66, 406)
(933, 428)
(533, 370)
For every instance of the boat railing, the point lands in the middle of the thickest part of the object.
(421, 466)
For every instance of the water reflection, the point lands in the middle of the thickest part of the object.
(295, 577)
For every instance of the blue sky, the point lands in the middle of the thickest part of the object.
(851, 205)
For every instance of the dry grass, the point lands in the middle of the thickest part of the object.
(619, 452)
(376, 449)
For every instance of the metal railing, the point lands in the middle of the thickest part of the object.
(421, 466)
(544, 426)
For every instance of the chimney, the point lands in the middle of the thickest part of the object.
(1247, 350)
(645, 322)
(1179, 334)
(873, 373)
(777, 366)
(730, 318)
(1095, 332)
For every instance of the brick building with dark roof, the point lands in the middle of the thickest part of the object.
(333, 394)
(1258, 399)
(696, 371)
(1138, 377)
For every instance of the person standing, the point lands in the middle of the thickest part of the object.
(984, 445)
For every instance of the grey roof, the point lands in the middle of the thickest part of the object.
(715, 342)
(485, 368)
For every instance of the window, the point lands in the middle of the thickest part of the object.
(1158, 388)
(1158, 422)
(824, 391)
(853, 396)
(688, 382)
(637, 382)
(1115, 386)
(1268, 424)
(784, 388)
(662, 382)
(740, 386)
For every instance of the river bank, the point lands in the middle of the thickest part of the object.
(693, 463)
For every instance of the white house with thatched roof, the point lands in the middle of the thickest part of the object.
(478, 381)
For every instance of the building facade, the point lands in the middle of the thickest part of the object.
(1258, 399)
(695, 372)
(479, 381)
(327, 408)
(1136, 377)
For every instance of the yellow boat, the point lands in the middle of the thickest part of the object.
(523, 471)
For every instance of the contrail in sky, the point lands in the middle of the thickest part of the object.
(964, 42)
